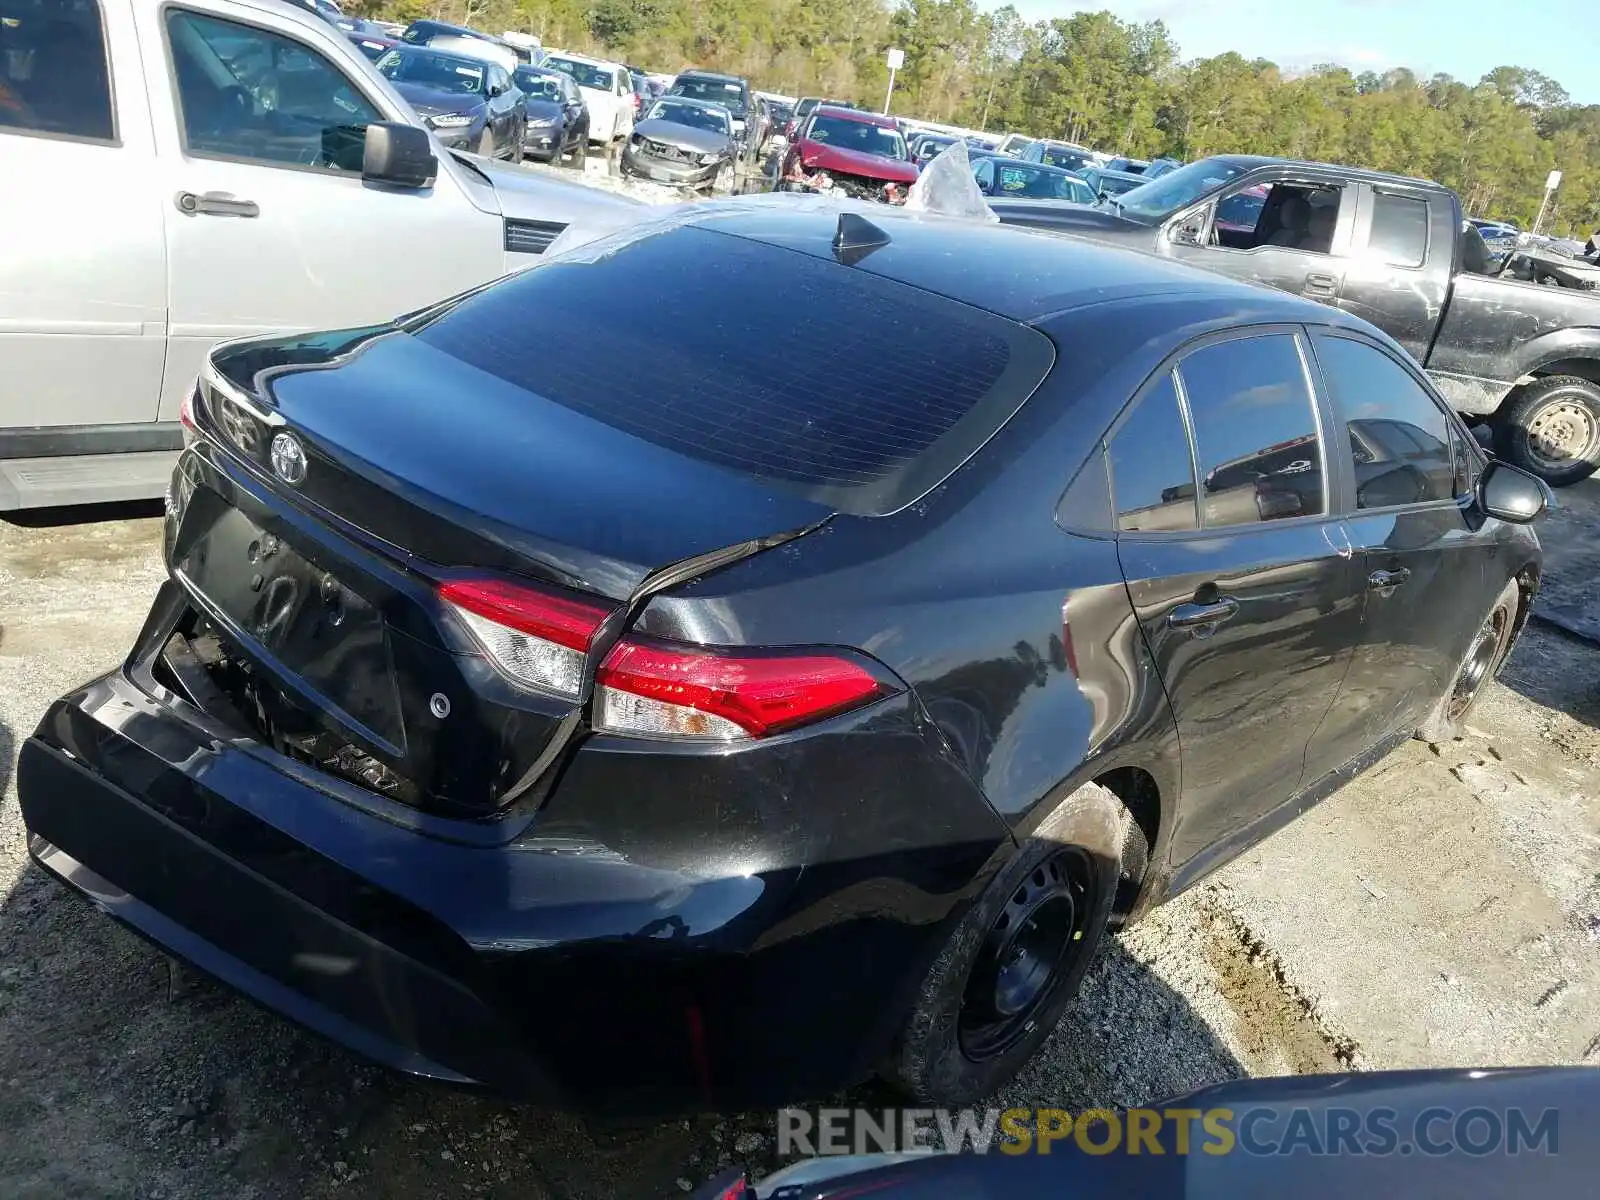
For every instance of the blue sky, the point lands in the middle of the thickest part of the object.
(1464, 38)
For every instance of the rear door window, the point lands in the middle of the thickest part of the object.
(1152, 473)
(54, 77)
(1255, 429)
(894, 387)
(1399, 438)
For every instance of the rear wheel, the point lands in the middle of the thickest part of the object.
(1552, 428)
(1448, 719)
(1001, 982)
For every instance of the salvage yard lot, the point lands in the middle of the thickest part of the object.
(1442, 910)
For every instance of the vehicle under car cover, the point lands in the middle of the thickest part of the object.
(1562, 1159)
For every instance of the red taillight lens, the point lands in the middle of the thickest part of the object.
(537, 636)
(662, 689)
(190, 430)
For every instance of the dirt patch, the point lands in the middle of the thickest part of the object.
(1279, 1028)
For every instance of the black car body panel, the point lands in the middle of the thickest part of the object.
(1477, 335)
(479, 880)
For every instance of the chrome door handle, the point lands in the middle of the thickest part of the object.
(1191, 616)
(1380, 581)
(216, 204)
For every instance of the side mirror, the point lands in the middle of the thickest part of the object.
(497, 89)
(400, 155)
(1512, 494)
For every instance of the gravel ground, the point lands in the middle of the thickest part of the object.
(1442, 910)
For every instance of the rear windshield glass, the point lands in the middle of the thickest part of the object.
(869, 395)
(712, 91)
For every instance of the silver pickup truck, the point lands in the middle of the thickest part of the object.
(176, 174)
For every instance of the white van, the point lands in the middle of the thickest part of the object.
(179, 172)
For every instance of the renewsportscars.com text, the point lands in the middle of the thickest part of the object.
(1433, 1132)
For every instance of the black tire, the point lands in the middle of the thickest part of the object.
(1552, 428)
(1482, 662)
(949, 1051)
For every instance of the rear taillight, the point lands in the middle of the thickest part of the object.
(186, 421)
(539, 637)
(668, 689)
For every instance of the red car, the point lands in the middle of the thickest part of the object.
(860, 153)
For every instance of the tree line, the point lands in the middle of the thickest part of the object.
(1093, 78)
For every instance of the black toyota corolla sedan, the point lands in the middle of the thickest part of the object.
(716, 719)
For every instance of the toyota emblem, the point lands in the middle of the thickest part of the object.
(289, 458)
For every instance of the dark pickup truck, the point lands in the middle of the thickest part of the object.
(1523, 357)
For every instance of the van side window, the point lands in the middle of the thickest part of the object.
(54, 78)
(244, 92)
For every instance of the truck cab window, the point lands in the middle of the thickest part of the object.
(53, 74)
(1399, 234)
(1295, 216)
(244, 92)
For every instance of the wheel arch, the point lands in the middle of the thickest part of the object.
(1582, 366)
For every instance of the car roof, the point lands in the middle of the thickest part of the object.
(688, 102)
(436, 52)
(717, 75)
(1108, 173)
(855, 114)
(1023, 274)
(586, 60)
(1032, 166)
(459, 30)
(1250, 162)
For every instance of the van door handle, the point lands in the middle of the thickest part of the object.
(1193, 616)
(1320, 286)
(216, 204)
(1380, 581)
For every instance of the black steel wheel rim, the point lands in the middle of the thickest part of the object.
(1031, 946)
(1479, 665)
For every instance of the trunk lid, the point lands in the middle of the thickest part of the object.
(347, 658)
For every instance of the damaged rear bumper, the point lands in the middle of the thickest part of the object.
(538, 961)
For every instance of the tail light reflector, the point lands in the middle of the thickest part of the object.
(661, 689)
(191, 430)
(537, 636)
